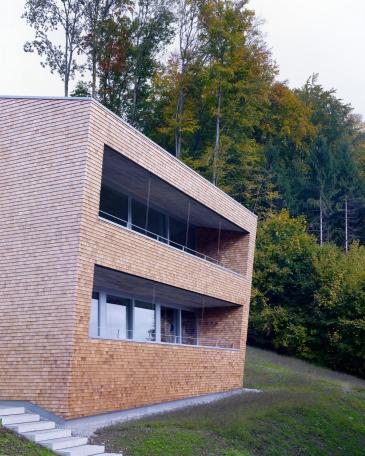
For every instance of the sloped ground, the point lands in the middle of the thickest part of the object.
(14, 445)
(303, 411)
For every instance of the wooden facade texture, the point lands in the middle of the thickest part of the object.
(51, 238)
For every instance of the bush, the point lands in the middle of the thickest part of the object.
(308, 300)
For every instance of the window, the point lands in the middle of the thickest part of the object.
(178, 234)
(144, 324)
(129, 212)
(94, 319)
(139, 213)
(157, 223)
(114, 206)
(188, 328)
(169, 325)
(117, 318)
(155, 220)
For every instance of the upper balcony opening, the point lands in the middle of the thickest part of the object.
(133, 197)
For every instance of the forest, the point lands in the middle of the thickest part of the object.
(199, 79)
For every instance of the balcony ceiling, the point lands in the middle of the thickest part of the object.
(126, 176)
(144, 289)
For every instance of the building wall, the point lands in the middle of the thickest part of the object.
(112, 375)
(230, 248)
(50, 240)
(42, 163)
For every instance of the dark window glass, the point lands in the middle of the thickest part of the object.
(157, 223)
(169, 325)
(113, 206)
(139, 212)
(178, 234)
(188, 328)
(144, 321)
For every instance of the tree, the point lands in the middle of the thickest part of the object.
(308, 301)
(128, 57)
(188, 54)
(48, 17)
(96, 14)
(151, 30)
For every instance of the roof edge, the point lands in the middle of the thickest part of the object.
(146, 138)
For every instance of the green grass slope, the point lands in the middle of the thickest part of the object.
(303, 410)
(13, 445)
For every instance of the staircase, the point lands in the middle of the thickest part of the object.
(45, 433)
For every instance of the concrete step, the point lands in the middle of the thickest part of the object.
(30, 427)
(48, 434)
(11, 411)
(65, 442)
(84, 450)
(21, 418)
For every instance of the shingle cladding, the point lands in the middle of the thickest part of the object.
(50, 240)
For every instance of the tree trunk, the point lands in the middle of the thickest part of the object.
(178, 134)
(93, 81)
(346, 226)
(134, 101)
(217, 135)
(320, 219)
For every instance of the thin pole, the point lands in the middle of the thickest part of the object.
(148, 200)
(346, 227)
(219, 239)
(187, 226)
(320, 220)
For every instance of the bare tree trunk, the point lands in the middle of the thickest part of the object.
(346, 226)
(93, 80)
(134, 100)
(217, 135)
(178, 133)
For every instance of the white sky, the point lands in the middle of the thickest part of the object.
(306, 36)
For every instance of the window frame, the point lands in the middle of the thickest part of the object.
(102, 300)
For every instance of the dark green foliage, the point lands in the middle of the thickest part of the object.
(215, 103)
(308, 300)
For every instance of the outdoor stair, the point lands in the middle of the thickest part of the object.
(45, 433)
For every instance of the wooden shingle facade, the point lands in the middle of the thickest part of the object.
(60, 256)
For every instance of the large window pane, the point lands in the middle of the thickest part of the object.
(169, 325)
(157, 223)
(114, 206)
(94, 318)
(117, 318)
(144, 321)
(139, 213)
(188, 328)
(178, 234)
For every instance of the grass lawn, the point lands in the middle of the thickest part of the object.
(303, 410)
(13, 445)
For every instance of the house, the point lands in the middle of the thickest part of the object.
(125, 275)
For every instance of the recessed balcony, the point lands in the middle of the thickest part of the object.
(131, 308)
(136, 199)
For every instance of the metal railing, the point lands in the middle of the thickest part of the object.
(117, 333)
(158, 237)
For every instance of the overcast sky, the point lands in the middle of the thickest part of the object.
(306, 36)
